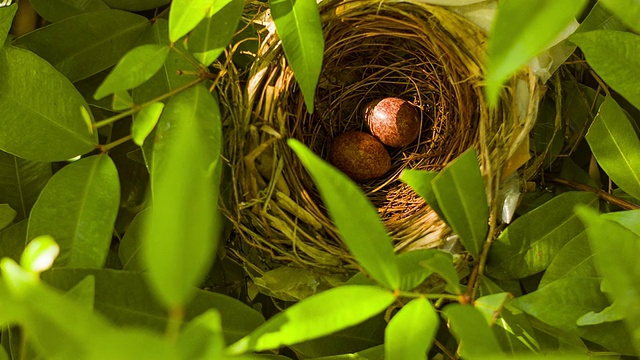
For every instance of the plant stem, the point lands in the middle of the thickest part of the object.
(111, 145)
(427, 296)
(601, 193)
(174, 322)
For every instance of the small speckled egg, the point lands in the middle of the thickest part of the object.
(359, 155)
(394, 121)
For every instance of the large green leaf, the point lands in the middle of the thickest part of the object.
(616, 146)
(56, 10)
(630, 219)
(626, 10)
(84, 45)
(562, 302)
(355, 217)
(521, 30)
(600, 19)
(317, 316)
(182, 233)
(412, 273)
(441, 263)
(421, 182)
(78, 207)
(411, 331)
(185, 16)
(530, 243)
(460, 192)
(12, 240)
(575, 259)
(601, 46)
(6, 18)
(202, 337)
(137, 5)
(21, 182)
(616, 259)
(136, 66)
(475, 338)
(125, 298)
(299, 27)
(211, 36)
(35, 125)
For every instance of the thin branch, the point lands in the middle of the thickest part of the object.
(601, 193)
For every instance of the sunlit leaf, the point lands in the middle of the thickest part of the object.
(35, 125)
(615, 145)
(185, 15)
(135, 67)
(626, 10)
(441, 263)
(575, 259)
(202, 337)
(600, 19)
(183, 229)
(460, 192)
(213, 34)
(144, 122)
(410, 332)
(299, 27)
(355, 217)
(412, 273)
(6, 19)
(84, 45)
(56, 10)
(78, 208)
(522, 250)
(420, 182)
(629, 219)
(472, 331)
(600, 47)
(520, 31)
(317, 316)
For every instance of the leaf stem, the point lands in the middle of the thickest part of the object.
(427, 296)
(111, 145)
(601, 193)
(174, 322)
(137, 108)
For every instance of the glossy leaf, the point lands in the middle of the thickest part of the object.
(460, 192)
(355, 217)
(617, 261)
(39, 254)
(298, 26)
(600, 47)
(202, 337)
(21, 182)
(562, 302)
(78, 208)
(136, 66)
(317, 316)
(626, 10)
(125, 298)
(209, 39)
(56, 10)
(441, 263)
(615, 145)
(185, 15)
(7, 214)
(520, 31)
(78, 52)
(182, 233)
(137, 5)
(411, 331)
(630, 219)
(34, 125)
(421, 182)
(600, 18)
(475, 338)
(145, 121)
(522, 250)
(575, 259)
(6, 18)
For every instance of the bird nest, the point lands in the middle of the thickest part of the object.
(427, 55)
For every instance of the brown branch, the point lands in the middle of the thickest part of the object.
(601, 193)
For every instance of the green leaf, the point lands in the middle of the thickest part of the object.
(183, 230)
(562, 302)
(185, 15)
(522, 250)
(299, 27)
(121, 100)
(125, 298)
(39, 254)
(6, 18)
(84, 292)
(7, 214)
(21, 182)
(617, 261)
(412, 274)
(211, 36)
(135, 67)
(355, 217)
(78, 208)
(615, 145)
(441, 263)
(13, 240)
(293, 284)
(626, 10)
(421, 182)
(411, 331)
(575, 259)
(56, 10)
(145, 121)
(130, 247)
(35, 126)
(601, 46)
(317, 316)
(475, 338)
(137, 5)
(78, 53)
(202, 337)
(600, 19)
(520, 31)
(611, 313)
(459, 189)
(629, 219)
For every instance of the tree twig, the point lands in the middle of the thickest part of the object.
(601, 193)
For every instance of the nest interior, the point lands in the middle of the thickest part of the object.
(426, 55)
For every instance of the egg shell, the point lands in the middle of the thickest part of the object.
(359, 155)
(396, 122)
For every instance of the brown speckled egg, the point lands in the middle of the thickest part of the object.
(359, 155)
(394, 121)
